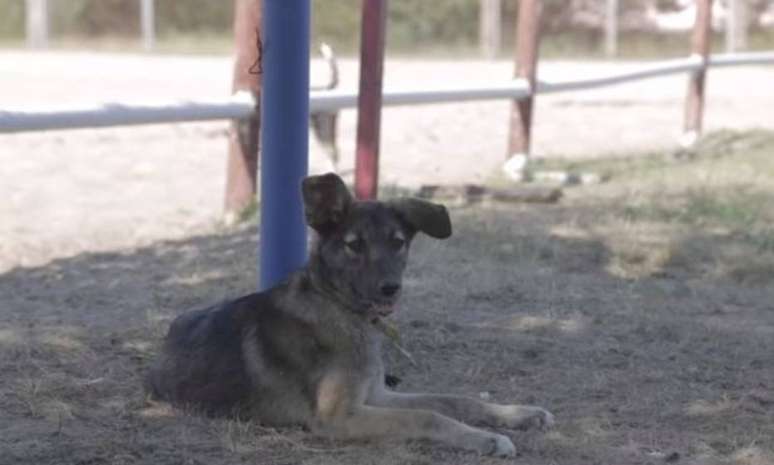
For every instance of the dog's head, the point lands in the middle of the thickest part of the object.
(363, 245)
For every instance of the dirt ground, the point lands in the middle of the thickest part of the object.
(639, 311)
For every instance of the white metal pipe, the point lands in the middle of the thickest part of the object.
(737, 59)
(665, 68)
(337, 99)
(240, 105)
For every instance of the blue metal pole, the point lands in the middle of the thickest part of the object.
(284, 120)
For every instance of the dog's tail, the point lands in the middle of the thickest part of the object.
(333, 66)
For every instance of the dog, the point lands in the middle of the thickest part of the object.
(308, 351)
(324, 123)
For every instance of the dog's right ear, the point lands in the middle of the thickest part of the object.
(326, 201)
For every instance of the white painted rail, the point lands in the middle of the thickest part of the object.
(338, 99)
(740, 59)
(241, 105)
(19, 119)
(660, 69)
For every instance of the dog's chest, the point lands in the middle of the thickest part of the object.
(350, 372)
(353, 346)
(341, 341)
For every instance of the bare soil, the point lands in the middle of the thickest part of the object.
(639, 311)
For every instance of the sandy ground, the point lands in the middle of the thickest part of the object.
(70, 191)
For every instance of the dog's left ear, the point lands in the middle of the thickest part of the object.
(421, 215)
(326, 201)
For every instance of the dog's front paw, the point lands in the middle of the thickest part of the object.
(526, 417)
(498, 445)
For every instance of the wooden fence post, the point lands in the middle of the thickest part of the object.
(526, 56)
(244, 135)
(369, 104)
(700, 46)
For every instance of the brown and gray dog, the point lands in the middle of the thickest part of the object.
(308, 351)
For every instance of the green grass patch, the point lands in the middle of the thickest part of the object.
(730, 208)
(709, 209)
(745, 148)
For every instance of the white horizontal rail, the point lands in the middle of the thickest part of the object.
(664, 68)
(740, 59)
(338, 99)
(241, 105)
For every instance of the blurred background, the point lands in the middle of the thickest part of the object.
(571, 28)
(167, 180)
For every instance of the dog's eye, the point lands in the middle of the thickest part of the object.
(355, 245)
(397, 241)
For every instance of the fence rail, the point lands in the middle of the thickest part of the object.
(241, 104)
(749, 58)
(663, 68)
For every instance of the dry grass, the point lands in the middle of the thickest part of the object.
(640, 311)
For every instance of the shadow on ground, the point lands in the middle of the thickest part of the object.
(645, 349)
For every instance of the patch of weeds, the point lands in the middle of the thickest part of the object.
(712, 152)
(733, 208)
(611, 167)
(727, 142)
(763, 241)
(736, 209)
(648, 212)
(28, 391)
(249, 213)
(753, 274)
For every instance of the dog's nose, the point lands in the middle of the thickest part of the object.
(390, 289)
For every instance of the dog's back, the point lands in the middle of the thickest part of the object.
(201, 365)
(250, 357)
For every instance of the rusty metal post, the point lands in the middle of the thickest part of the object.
(526, 57)
(700, 46)
(369, 107)
(244, 135)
